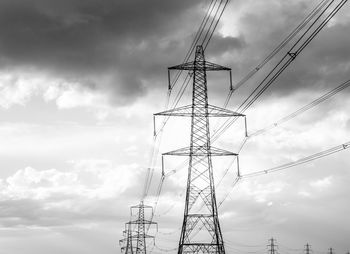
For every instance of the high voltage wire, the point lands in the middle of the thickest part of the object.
(300, 161)
(275, 51)
(305, 108)
(298, 112)
(280, 46)
(282, 167)
(304, 160)
(205, 44)
(195, 40)
(214, 22)
(282, 64)
(190, 51)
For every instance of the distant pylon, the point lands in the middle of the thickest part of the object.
(272, 246)
(201, 232)
(127, 242)
(307, 249)
(137, 233)
(330, 251)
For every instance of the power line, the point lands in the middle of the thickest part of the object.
(282, 44)
(294, 51)
(300, 161)
(286, 166)
(303, 109)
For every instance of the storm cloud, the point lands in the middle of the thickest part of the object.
(123, 46)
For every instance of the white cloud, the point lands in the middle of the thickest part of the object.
(16, 90)
(322, 183)
(62, 195)
(262, 192)
(304, 194)
(89, 179)
(20, 87)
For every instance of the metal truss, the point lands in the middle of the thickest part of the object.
(201, 232)
(136, 231)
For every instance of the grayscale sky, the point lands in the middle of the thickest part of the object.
(79, 82)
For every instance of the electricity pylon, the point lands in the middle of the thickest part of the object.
(307, 249)
(137, 234)
(330, 251)
(201, 232)
(272, 246)
(127, 242)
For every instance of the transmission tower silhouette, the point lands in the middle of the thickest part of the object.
(201, 231)
(136, 230)
(307, 249)
(272, 246)
(331, 251)
(126, 242)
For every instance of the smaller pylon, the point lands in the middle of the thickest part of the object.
(135, 233)
(127, 242)
(307, 249)
(330, 251)
(272, 246)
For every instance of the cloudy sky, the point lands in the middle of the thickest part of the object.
(79, 82)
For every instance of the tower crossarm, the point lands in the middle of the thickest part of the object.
(142, 222)
(203, 66)
(213, 111)
(141, 206)
(135, 236)
(200, 151)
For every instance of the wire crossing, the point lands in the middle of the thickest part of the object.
(311, 32)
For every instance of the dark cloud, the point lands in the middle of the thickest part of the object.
(89, 41)
(125, 46)
(323, 63)
(226, 44)
(120, 45)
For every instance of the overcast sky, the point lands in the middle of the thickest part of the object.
(79, 82)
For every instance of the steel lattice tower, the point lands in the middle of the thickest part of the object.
(272, 246)
(128, 248)
(127, 242)
(139, 234)
(201, 232)
(307, 249)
